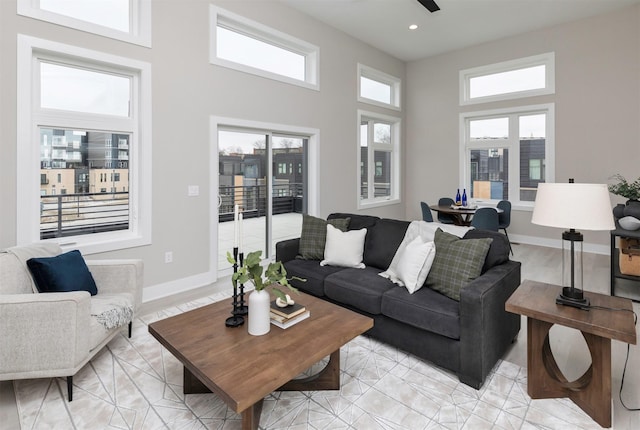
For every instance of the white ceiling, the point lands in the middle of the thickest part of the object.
(458, 24)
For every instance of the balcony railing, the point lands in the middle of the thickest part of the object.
(253, 200)
(76, 214)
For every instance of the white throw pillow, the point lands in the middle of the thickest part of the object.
(415, 262)
(344, 248)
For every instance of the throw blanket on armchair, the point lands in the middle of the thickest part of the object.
(426, 231)
(112, 310)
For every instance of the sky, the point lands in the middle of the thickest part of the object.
(108, 13)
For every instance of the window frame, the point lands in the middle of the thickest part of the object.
(30, 117)
(546, 59)
(139, 21)
(271, 36)
(393, 82)
(512, 143)
(393, 148)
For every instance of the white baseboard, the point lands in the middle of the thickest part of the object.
(160, 291)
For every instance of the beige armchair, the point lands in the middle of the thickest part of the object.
(44, 335)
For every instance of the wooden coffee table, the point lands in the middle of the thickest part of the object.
(592, 391)
(243, 369)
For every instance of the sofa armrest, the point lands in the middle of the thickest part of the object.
(287, 250)
(118, 276)
(43, 333)
(486, 328)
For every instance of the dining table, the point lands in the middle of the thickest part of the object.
(462, 215)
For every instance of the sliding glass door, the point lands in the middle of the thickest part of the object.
(264, 173)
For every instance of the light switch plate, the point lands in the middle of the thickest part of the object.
(193, 190)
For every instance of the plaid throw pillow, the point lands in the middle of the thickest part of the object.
(457, 262)
(314, 235)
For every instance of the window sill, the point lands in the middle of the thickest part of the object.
(365, 204)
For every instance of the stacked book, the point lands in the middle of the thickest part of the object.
(289, 315)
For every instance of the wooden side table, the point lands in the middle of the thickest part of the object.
(592, 391)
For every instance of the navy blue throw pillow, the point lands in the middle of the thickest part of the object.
(65, 272)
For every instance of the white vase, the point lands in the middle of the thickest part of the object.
(259, 309)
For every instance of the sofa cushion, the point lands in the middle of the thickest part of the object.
(359, 288)
(62, 273)
(15, 277)
(344, 248)
(457, 262)
(314, 235)
(426, 309)
(383, 240)
(312, 272)
(356, 222)
(498, 251)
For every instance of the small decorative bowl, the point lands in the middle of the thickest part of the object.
(629, 223)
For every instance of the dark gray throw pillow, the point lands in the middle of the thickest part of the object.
(457, 263)
(63, 273)
(314, 236)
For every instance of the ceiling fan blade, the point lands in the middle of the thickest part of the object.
(430, 5)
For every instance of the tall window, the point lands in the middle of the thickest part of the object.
(127, 20)
(84, 117)
(530, 76)
(378, 158)
(378, 88)
(242, 44)
(507, 153)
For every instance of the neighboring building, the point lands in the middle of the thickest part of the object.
(242, 180)
(490, 167)
(82, 162)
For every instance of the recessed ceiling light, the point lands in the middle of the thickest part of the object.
(413, 26)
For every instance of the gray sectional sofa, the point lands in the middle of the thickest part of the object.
(467, 336)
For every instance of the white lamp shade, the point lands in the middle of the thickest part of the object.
(577, 206)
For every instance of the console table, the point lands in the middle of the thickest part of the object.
(592, 391)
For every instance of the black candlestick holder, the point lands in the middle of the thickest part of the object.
(242, 308)
(236, 319)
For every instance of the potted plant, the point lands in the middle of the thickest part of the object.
(629, 190)
(259, 300)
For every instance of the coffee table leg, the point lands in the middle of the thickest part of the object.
(327, 379)
(191, 384)
(251, 416)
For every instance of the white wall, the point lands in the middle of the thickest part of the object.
(597, 106)
(187, 90)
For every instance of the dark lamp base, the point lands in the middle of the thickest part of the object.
(572, 297)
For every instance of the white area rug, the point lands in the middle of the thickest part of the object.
(137, 384)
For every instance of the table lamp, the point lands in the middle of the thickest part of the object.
(574, 207)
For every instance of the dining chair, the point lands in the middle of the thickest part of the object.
(504, 218)
(426, 212)
(485, 219)
(445, 218)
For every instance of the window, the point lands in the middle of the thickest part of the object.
(126, 20)
(248, 46)
(507, 153)
(378, 88)
(379, 143)
(524, 77)
(74, 104)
